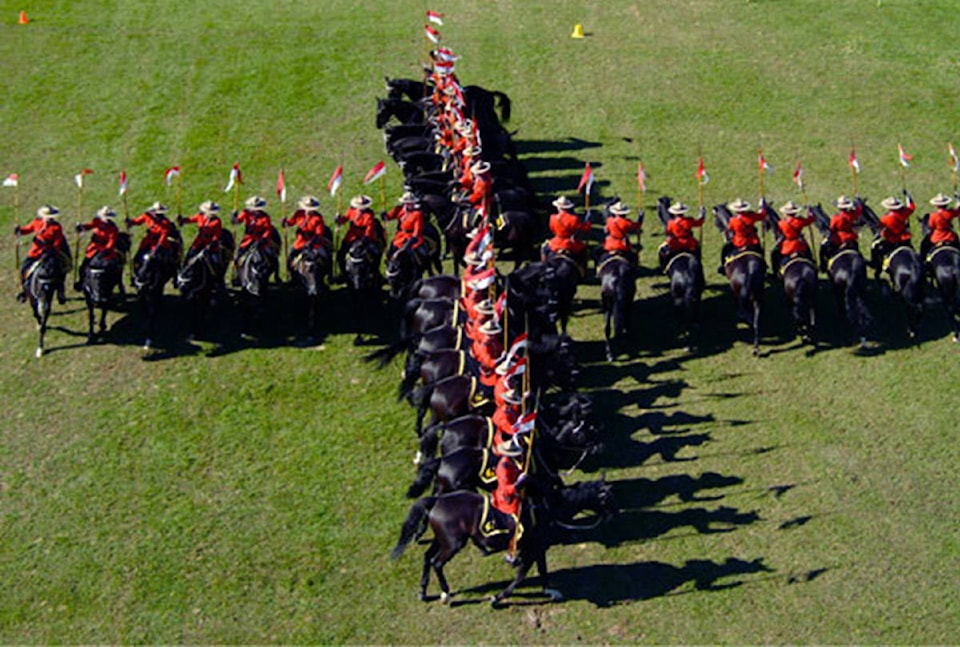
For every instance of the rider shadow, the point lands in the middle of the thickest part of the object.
(640, 492)
(633, 525)
(606, 585)
(538, 147)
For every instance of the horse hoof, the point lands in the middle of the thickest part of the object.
(496, 602)
(358, 340)
(956, 339)
(39, 352)
(863, 343)
(418, 458)
(147, 344)
(554, 595)
(444, 597)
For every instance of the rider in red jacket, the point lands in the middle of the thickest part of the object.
(48, 234)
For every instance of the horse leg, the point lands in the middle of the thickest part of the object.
(607, 317)
(507, 592)
(756, 328)
(90, 319)
(428, 556)
(44, 316)
(553, 594)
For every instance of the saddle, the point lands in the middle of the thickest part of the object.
(841, 252)
(477, 397)
(942, 247)
(493, 522)
(787, 261)
(888, 258)
(741, 254)
(619, 257)
(570, 258)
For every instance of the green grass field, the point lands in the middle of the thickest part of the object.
(252, 492)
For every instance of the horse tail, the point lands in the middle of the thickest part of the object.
(425, 475)
(414, 526)
(410, 374)
(503, 102)
(420, 399)
(430, 440)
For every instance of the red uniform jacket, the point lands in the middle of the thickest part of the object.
(47, 234)
(792, 230)
(565, 226)
(158, 230)
(941, 229)
(257, 227)
(410, 226)
(506, 498)
(103, 239)
(310, 228)
(618, 233)
(895, 225)
(362, 225)
(503, 420)
(842, 226)
(209, 231)
(482, 192)
(743, 226)
(680, 234)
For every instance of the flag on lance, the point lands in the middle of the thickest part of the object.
(702, 176)
(170, 173)
(586, 180)
(11, 180)
(525, 424)
(518, 345)
(904, 157)
(432, 34)
(335, 181)
(798, 176)
(519, 368)
(954, 160)
(435, 17)
(763, 163)
(641, 177)
(123, 183)
(281, 187)
(378, 171)
(483, 280)
(853, 162)
(235, 177)
(78, 178)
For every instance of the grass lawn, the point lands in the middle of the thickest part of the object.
(251, 492)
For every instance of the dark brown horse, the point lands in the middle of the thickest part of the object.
(457, 519)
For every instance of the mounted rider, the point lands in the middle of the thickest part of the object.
(790, 242)
(487, 350)
(103, 241)
(161, 235)
(258, 229)
(894, 230)
(506, 497)
(618, 229)
(410, 229)
(940, 226)
(209, 233)
(565, 225)
(742, 231)
(843, 230)
(312, 232)
(363, 226)
(680, 238)
(47, 235)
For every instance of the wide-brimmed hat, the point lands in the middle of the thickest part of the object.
(491, 327)
(361, 201)
(157, 208)
(409, 198)
(106, 212)
(480, 167)
(892, 203)
(510, 396)
(844, 203)
(256, 202)
(209, 207)
(940, 200)
(678, 209)
(563, 202)
(619, 209)
(790, 208)
(509, 448)
(47, 211)
(309, 203)
(485, 307)
(739, 205)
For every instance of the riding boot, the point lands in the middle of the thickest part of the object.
(62, 294)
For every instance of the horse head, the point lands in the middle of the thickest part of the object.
(383, 114)
(311, 265)
(255, 268)
(401, 271)
(102, 273)
(360, 268)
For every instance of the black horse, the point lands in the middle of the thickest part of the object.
(101, 274)
(516, 234)
(405, 112)
(255, 265)
(685, 274)
(458, 517)
(746, 271)
(42, 279)
(362, 269)
(311, 266)
(618, 286)
(152, 270)
(943, 266)
(566, 277)
(847, 270)
(405, 266)
(799, 277)
(200, 279)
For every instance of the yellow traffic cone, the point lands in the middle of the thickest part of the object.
(577, 31)
(23, 18)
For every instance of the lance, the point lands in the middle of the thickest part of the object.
(126, 220)
(806, 203)
(903, 163)
(383, 194)
(525, 380)
(954, 166)
(282, 192)
(76, 251)
(853, 163)
(641, 190)
(16, 219)
(700, 175)
(760, 171)
(506, 313)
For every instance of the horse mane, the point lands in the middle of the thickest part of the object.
(925, 224)
(869, 216)
(721, 218)
(820, 219)
(663, 204)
